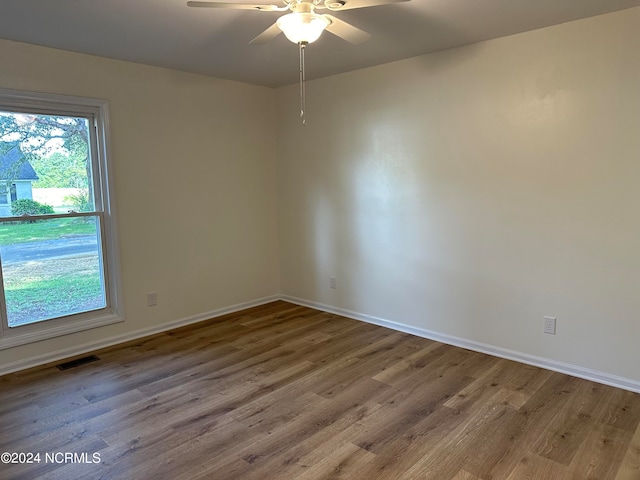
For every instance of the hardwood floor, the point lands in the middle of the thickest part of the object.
(286, 392)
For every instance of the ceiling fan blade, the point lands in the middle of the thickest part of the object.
(346, 31)
(269, 34)
(235, 6)
(351, 4)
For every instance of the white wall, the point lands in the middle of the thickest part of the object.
(473, 191)
(194, 177)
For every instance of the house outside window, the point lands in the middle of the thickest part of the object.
(16, 178)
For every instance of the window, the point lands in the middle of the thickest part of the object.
(58, 261)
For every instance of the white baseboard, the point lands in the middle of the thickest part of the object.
(573, 370)
(76, 350)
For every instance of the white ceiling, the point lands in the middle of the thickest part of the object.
(215, 42)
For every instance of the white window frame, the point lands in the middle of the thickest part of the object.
(97, 112)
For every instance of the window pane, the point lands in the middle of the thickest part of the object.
(45, 159)
(51, 268)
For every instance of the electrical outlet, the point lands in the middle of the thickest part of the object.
(152, 299)
(550, 325)
(333, 282)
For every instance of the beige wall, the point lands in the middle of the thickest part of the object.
(195, 185)
(473, 191)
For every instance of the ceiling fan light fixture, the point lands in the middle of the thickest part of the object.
(302, 27)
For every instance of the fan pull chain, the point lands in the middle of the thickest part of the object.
(302, 85)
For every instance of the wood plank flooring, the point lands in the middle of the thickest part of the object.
(286, 392)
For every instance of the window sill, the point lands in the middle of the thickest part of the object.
(18, 337)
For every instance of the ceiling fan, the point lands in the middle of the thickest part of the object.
(303, 25)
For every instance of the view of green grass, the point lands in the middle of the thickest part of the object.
(22, 232)
(38, 290)
(52, 288)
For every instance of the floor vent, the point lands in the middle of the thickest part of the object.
(77, 362)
